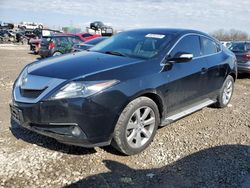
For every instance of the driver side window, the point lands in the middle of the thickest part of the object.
(188, 44)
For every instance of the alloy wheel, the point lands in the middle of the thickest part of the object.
(140, 127)
(227, 92)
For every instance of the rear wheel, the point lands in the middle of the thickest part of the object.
(226, 92)
(136, 126)
(57, 53)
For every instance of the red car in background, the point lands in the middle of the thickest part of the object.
(86, 36)
(35, 44)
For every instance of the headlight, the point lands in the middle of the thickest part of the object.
(22, 77)
(82, 89)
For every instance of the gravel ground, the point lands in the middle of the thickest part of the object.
(210, 148)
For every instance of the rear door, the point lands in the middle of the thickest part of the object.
(187, 80)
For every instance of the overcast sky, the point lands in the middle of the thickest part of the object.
(205, 15)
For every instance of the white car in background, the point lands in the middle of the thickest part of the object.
(30, 25)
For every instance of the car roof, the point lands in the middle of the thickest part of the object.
(167, 30)
(174, 31)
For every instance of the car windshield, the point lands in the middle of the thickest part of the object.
(134, 44)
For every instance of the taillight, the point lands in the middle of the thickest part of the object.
(51, 45)
(246, 56)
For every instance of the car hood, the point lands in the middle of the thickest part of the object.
(78, 64)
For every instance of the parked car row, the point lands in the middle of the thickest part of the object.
(19, 33)
(55, 45)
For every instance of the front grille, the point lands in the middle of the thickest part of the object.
(29, 93)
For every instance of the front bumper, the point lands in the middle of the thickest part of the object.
(61, 119)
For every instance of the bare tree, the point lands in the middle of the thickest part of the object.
(231, 35)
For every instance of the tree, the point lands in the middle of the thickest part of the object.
(231, 35)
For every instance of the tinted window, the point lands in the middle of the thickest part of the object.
(237, 47)
(60, 40)
(247, 46)
(209, 46)
(189, 44)
(134, 44)
(46, 39)
(74, 40)
(240, 46)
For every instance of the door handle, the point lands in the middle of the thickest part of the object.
(203, 70)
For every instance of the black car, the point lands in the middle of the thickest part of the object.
(96, 25)
(122, 89)
(86, 45)
(242, 52)
(100, 26)
(57, 45)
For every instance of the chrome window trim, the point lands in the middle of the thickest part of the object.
(207, 55)
(195, 34)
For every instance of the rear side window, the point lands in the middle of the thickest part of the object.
(247, 46)
(189, 44)
(237, 47)
(209, 47)
(45, 41)
(74, 40)
(60, 40)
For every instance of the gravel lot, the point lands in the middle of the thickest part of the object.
(210, 148)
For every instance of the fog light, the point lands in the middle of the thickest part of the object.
(76, 131)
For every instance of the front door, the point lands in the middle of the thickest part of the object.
(186, 80)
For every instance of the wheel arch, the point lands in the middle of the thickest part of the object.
(234, 75)
(158, 101)
(56, 52)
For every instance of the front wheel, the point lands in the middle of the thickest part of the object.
(136, 126)
(226, 92)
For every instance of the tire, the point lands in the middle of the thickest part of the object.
(57, 53)
(132, 136)
(226, 92)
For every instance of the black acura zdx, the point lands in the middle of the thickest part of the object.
(121, 90)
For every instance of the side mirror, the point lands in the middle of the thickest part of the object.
(181, 57)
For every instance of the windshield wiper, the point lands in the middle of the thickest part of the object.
(115, 53)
